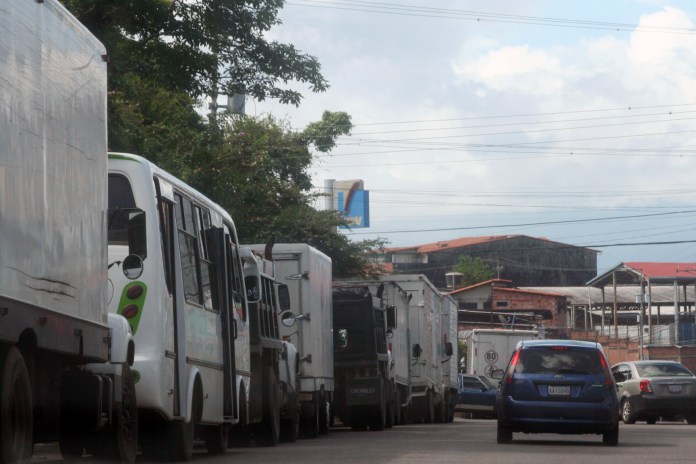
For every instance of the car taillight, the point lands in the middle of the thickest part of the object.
(645, 386)
(511, 369)
(608, 379)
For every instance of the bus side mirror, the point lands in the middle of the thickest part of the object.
(137, 235)
(449, 350)
(391, 317)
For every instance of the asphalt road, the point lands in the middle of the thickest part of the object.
(464, 441)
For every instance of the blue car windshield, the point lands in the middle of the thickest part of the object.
(558, 360)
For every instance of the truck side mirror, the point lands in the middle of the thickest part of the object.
(391, 317)
(449, 350)
(283, 297)
(252, 288)
(137, 234)
(417, 351)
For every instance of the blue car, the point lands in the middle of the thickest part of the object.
(477, 395)
(558, 386)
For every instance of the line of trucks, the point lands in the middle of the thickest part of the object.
(132, 319)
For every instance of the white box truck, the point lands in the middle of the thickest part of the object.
(64, 361)
(309, 326)
(450, 364)
(418, 348)
(490, 349)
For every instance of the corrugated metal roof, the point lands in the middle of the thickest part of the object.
(480, 284)
(663, 295)
(530, 292)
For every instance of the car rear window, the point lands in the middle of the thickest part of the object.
(662, 370)
(558, 360)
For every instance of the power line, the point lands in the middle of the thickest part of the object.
(477, 16)
(570, 221)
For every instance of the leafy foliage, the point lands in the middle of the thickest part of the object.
(474, 270)
(259, 173)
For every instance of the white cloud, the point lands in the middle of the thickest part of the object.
(516, 68)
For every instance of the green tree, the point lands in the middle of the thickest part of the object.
(260, 174)
(473, 270)
(164, 53)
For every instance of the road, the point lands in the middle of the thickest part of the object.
(470, 441)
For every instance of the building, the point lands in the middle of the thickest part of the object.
(496, 304)
(527, 261)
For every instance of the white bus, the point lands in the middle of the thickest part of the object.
(188, 310)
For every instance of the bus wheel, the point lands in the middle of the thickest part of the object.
(181, 433)
(269, 428)
(16, 423)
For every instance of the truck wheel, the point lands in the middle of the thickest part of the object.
(390, 407)
(16, 422)
(124, 437)
(120, 441)
(429, 408)
(379, 416)
(269, 429)
(397, 407)
(324, 414)
(290, 428)
(358, 422)
(309, 421)
(216, 438)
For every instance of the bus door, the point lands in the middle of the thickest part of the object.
(225, 272)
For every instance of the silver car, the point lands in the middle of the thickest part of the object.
(649, 390)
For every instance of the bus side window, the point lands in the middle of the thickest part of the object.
(165, 209)
(187, 249)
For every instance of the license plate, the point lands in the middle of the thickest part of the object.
(675, 388)
(559, 390)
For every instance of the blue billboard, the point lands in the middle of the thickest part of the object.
(355, 208)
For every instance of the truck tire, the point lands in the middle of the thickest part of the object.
(124, 436)
(390, 407)
(324, 413)
(268, 431)
(290, 428)
(120, 441)
(16, 420)
(216, 438)
(309, 418)
(379, 414)
(397, 406)
(429, 408)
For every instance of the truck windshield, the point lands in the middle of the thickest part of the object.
(121, 200)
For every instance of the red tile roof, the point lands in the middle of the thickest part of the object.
(664, 270)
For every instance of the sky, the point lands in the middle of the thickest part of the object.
(572, 121)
